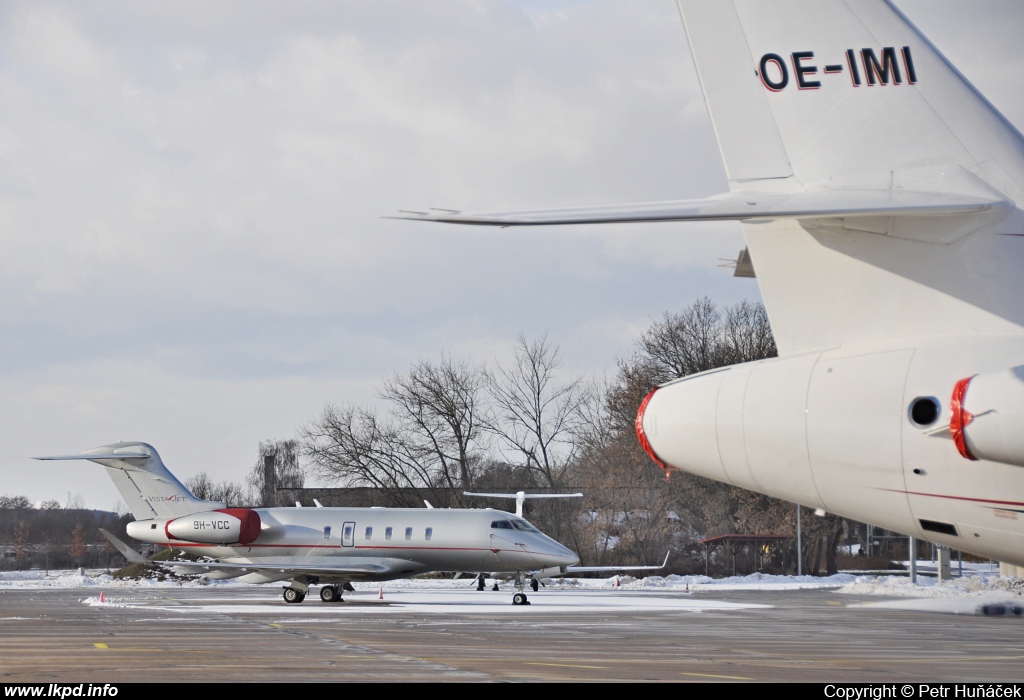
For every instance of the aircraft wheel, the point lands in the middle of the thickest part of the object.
(520, 599)
(292, 595)
(534, 584)
(330, 594)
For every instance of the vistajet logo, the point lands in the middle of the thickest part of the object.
(165, 499)
(890, 66)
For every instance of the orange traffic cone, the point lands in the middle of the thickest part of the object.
(380, 593)
(616, 581)
(101, 597)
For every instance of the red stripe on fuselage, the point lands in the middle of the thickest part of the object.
(955, 498)
(181, 545)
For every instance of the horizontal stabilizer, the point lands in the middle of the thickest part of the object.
(95, 456)
(742, 206)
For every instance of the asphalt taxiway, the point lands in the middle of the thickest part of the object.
(250, 634)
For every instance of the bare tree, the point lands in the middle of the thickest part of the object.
(229, 492)
(686, 342)
(698, 338)
(535, 418)
(747, 334)
(438, 405)
(14, 503)
(200, 485)
(425, 446)
(627, 509)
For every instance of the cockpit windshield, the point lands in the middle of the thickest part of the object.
(513, 525)
(523, 525)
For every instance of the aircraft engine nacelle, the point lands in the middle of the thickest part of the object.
(987, 419)
(224, 526)
(862, 434)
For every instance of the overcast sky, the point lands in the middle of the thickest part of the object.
(192, 252)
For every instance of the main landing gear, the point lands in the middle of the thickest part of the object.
(293, 595)
(331, 594)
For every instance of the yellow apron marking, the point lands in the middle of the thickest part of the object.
(537, 663)
(712, 675)
(100, 645)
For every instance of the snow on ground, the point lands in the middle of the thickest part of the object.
(976, 583)
(439, 601)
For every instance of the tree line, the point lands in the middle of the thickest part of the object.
(451, 425)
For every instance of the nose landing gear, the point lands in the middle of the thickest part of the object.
(520, 597)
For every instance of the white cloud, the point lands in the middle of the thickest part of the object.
(191, 198)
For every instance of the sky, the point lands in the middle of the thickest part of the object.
(192, 244)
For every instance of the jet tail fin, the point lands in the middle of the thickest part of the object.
(146, 485)
(823, 94)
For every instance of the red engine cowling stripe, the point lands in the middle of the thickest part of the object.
(645, 444)
(249, 529)
(960, 418)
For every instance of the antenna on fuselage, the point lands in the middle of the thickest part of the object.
(521, 497)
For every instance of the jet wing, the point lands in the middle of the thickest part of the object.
(202, 567)
(205, 567)
(581, 569)
(738, 206)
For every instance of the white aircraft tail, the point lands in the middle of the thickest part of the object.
(846, 97)
(146, 485)
(877, 189)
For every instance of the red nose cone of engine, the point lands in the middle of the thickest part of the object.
(641, 436)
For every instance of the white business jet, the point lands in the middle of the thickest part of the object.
(327, 546)
(880, 197)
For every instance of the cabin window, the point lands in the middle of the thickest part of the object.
(430, 533)
(501, 525)
(327, 532)
(387, 533)
(408, 533)
(348, 532)
(369, 533)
